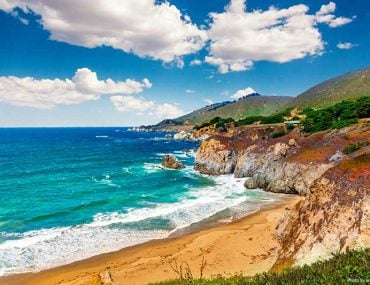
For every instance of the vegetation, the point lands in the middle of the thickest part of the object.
(354, 147)
(338, 116)
(348, 86)
(217, 121)
(246, 107)
(279, 134)
(273, 119)
(344, 268)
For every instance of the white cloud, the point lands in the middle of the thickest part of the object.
(238, 37)
(142, 106)
(208, 101)
(242, 93)
(168, 111)
(346, 45)
(324, 15)
(47, 93)
(143, 27)
(195, 62)
(130, 103)
(189, 91)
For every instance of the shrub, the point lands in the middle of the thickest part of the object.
(279, 134)
(340, 115)
(217, 121)
(354, 147)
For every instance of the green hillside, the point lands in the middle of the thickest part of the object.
(250, 106)
(348, 86)
(352, 85)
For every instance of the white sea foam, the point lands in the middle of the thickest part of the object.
(103, 137)
(42, 249)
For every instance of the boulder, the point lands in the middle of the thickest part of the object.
(292, 142)
(184, 136)
(172, 162)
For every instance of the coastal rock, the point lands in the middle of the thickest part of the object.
(184, 136)
(214, 158)
(333, 218)
(271, 171)
(172, 162)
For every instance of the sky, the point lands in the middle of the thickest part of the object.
(133, 62)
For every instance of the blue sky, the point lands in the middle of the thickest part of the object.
(282, 50)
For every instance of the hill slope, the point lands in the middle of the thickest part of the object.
(348, 86)
(248, 106)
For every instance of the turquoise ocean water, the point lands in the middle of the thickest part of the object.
(70, 193)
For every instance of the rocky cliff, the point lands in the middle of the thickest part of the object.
(334, 217)
(336, 182)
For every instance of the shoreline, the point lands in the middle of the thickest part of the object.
(247, 245)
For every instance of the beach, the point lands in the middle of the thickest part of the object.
(247, 246)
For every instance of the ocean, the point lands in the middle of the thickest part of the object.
(67, 194)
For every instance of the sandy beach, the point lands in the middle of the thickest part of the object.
(246, 246)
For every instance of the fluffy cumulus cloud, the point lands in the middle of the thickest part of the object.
(47, 93)
(143, 106)
(238, 37)
(143, 27)
(346, 45)
(242, 93)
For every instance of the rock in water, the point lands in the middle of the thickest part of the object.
(172, 162)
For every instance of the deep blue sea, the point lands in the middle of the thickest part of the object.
(70, 193)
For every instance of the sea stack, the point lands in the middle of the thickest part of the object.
(170, 161)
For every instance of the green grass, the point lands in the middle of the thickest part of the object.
(346, 268)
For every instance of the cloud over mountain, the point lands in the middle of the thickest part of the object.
(142, 106)
(242, 93)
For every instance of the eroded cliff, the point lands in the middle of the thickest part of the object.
(334, 215)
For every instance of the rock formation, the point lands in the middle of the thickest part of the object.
(184, 136)
(215, 158)
(334, 216)
(172, 162)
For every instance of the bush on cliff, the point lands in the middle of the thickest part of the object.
(354, 147)
(273, 119)
(344, 268)
(217, 121)
(338, 116)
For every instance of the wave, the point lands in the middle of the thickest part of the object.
(106, 181)
(47, 248)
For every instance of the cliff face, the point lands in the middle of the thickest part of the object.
(334, 217)
(335, 214)
(220, 152)
(272, 171)
(215, 157)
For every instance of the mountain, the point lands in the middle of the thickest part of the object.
(250, 105)
(348, 86)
